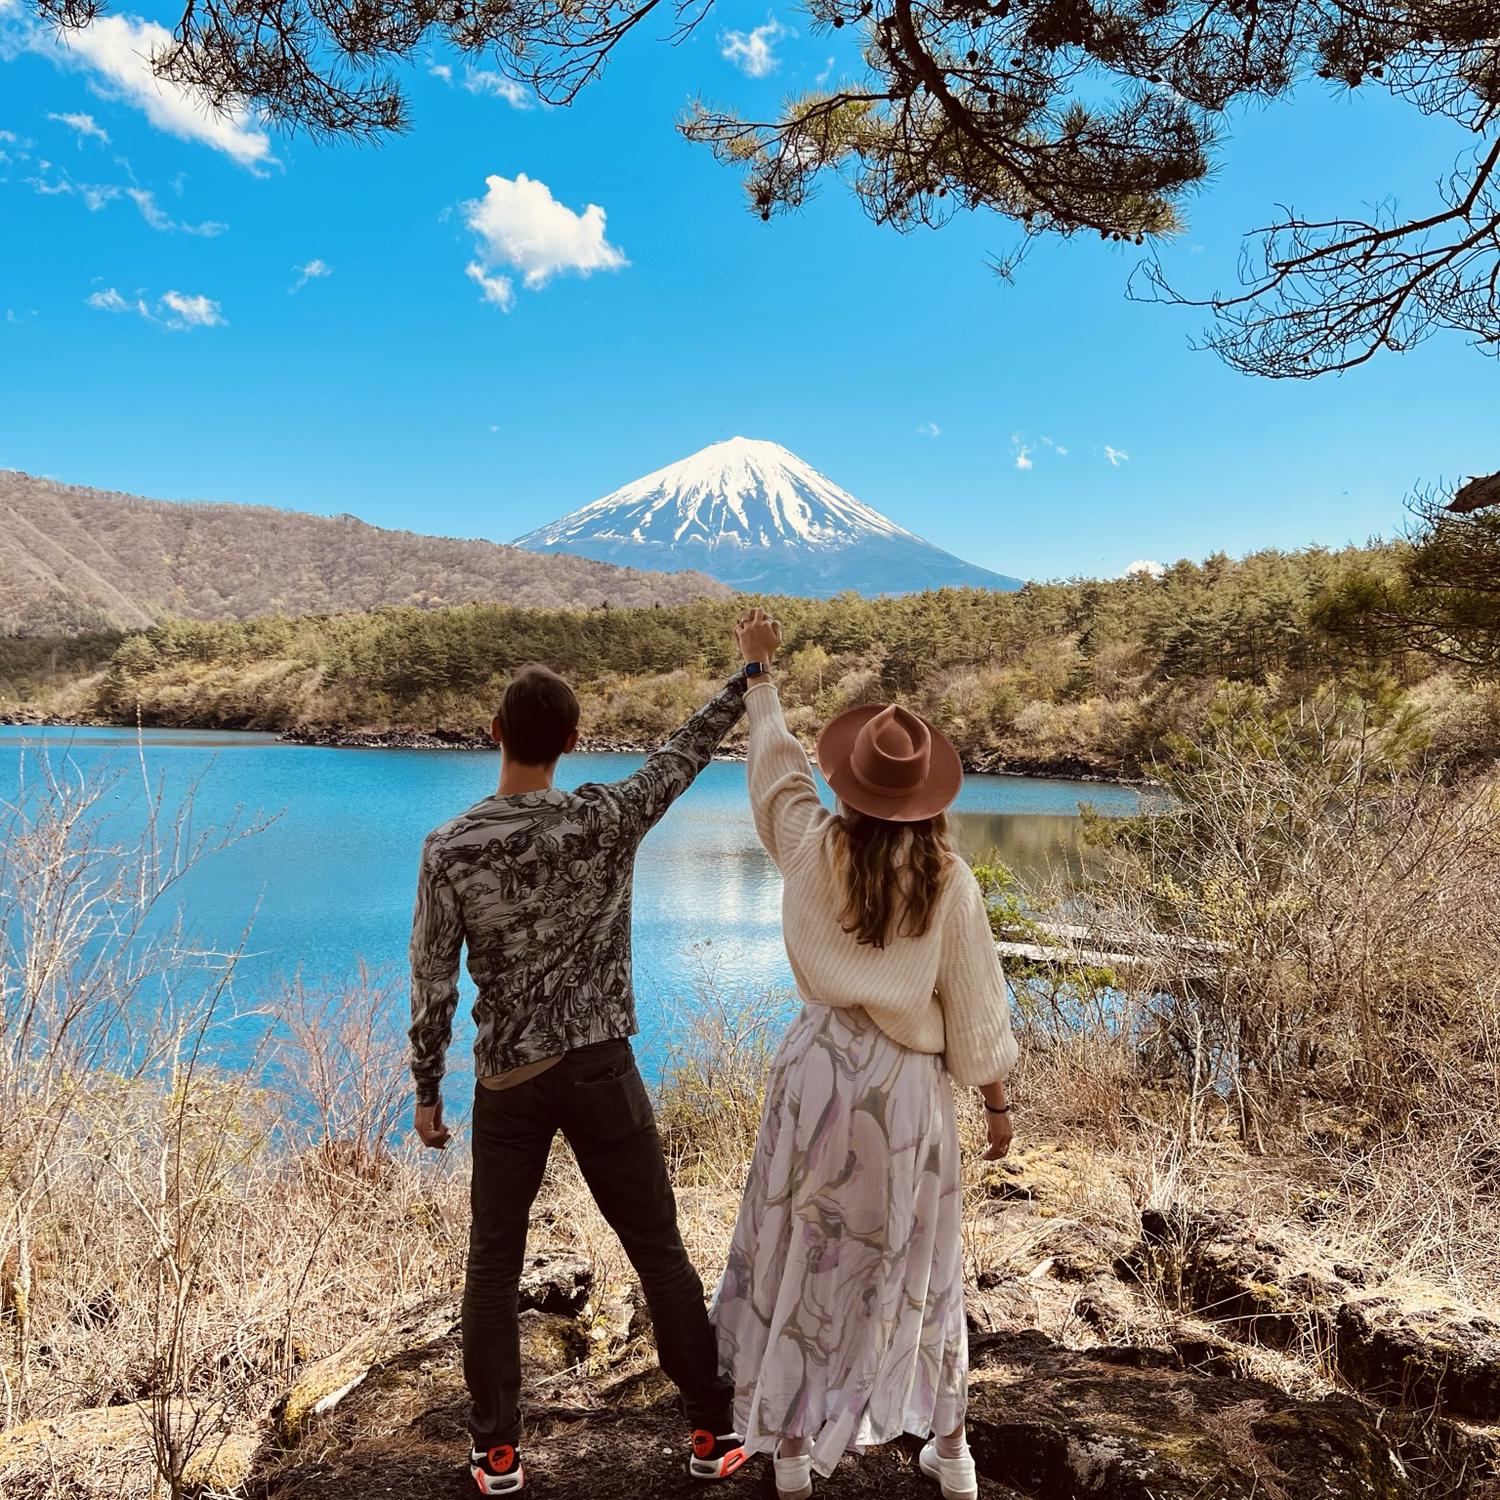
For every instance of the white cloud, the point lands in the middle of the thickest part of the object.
(754, 52)
(175, 310)
(1116, 456)
(109, 300)
(158, 218)
(496, 289)
(94, 194)
(929, 429)
(826, 73)
(1144, 567)
(151, 211)
(86, 127)
(520, 224)
(1022, 450)
(8, 136)
(119, 49)
(441, 70)
(314, 270)
(192, 311)
(480, 81)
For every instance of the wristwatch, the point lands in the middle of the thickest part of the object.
(757, 668)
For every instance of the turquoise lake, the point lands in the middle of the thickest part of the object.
(329, 883)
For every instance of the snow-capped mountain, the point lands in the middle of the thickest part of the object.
(756, 516)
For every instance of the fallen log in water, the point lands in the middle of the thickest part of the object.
(1075, 945)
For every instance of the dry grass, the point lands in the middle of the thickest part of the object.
(181, 1232)
(1319, 981)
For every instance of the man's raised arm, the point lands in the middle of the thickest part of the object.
(672, 769)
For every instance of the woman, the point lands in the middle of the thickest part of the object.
(840, 1313)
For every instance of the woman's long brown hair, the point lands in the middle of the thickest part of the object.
(892, 874)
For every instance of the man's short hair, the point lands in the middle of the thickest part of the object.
(538, 715)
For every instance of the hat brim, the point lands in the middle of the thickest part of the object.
(945, 772)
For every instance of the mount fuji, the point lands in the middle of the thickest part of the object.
(755, 516)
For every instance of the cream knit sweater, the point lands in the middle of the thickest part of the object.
(939, 993)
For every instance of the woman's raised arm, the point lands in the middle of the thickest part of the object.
(783, 792)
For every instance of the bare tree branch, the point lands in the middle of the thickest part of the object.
(1059, 115)
(1321, 296)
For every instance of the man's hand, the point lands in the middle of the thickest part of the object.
(757, 635)
(429, 1125)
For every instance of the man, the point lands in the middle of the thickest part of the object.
(537, 882)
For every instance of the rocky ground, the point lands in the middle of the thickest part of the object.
(1186, 1357)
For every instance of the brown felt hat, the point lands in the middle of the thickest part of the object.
(882, 760)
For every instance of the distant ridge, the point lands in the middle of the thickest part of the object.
(74, 559)
(753, 514)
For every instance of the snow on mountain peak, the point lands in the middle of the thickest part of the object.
(752, 514)
(742, 492)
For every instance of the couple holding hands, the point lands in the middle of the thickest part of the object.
(839, 1320)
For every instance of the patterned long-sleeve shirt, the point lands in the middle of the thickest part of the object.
(537, 886)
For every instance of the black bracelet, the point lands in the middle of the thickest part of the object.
(990, 1109)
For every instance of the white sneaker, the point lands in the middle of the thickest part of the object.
(956, 1475)
(794, 1477)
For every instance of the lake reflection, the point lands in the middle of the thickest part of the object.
(1037, 846)
(330, 882)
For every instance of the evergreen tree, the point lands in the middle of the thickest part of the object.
(1440, 594)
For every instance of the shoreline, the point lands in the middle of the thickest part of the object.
(416, 739)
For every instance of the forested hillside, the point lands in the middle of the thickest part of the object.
(75, 560)
(1088, 676)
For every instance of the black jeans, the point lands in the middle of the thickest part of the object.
(596, 1097)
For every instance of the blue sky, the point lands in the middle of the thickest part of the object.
(152, 341)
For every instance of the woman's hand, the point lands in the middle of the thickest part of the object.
(757, 635)
(996, 1099)
(1001, 1134)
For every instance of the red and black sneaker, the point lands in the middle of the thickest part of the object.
(497, 1470)
(716, 1458)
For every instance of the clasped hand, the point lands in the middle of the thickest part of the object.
(757, 635)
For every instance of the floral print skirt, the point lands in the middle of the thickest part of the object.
(840, 1314)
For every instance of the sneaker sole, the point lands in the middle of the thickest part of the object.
(513, 1485)
(723, 1468)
